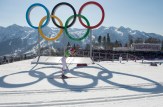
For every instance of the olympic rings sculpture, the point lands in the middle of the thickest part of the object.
(66, 25)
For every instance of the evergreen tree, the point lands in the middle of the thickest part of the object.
(104, 42)
(139, 40)
(111, 46)
(120, 45)
(108, 45)
(99, 40)
(68, 44)
(116, 44)
(74, 46)
(126, 44)
(108, 39)
(152, 40)
(87, 47)
(131, 42)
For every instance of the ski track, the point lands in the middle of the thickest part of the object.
(80, 101)
(18, 92)
(74, 102)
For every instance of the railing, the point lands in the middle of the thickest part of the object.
(105, 56)
(12, 58)
(96, 56)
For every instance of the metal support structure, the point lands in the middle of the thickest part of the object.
(99, 56)
(90, 43)
(50, 50)
(127, 58)
(91, 46)
(105, 56)
(64, 47)
(142, 59)
(39, 48)
(113, 58)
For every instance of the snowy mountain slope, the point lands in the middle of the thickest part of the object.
(121, 34)
(15, 37)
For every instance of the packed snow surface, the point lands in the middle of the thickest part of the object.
(103, 84)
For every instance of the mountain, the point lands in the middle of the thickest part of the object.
(122, 34)
(17, 39)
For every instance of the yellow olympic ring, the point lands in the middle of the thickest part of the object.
(41, 32)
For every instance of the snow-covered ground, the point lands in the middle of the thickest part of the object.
(103, 84)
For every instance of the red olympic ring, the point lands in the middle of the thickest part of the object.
(103, 14)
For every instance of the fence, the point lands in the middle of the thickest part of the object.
(12, 58)
(108, 56)
(97, 55)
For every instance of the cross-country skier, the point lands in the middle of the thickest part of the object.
(68, 53)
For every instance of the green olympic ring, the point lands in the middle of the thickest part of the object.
(85, 35)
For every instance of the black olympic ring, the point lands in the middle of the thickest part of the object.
(53, 13)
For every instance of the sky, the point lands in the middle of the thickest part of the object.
(143, 15)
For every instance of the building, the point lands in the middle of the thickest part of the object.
(140, 47)
(146, 47)
(121, 49)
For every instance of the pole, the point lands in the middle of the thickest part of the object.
(50, 47)
(38, 44)
(90, 43)
(39, 48)
(64, 47)
(127, 57)
(113, 58)
(91, 46)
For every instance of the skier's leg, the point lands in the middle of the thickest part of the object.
(64, 67)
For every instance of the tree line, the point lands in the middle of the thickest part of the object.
(104, 42)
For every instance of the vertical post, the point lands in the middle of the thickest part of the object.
(91, 43)
(99, 57)
(113, 58)
(91, 46)
(105, 56)
(127, 57)
(39, 47)
(142, 59)
(135, 59)
(63, 45)
(49, 48)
